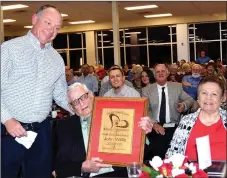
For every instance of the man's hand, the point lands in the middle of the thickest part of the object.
(159, 129)
(186, 84)
(14, 128)
(54, 174)
(180, 107)
(146, 124)
(93, 165)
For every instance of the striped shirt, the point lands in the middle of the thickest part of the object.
(125, 91)
(31, 78)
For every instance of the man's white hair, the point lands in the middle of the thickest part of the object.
(71, 87)
(196, 65)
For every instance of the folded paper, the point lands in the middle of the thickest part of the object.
(28, 140)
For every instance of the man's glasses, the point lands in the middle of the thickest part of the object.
(82, 98)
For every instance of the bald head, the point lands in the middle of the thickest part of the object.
(46, 24)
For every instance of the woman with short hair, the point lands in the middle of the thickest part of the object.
(209, 120)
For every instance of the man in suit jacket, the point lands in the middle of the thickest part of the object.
(176, 102)
(72, 140)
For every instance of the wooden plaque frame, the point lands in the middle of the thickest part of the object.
(140, 109)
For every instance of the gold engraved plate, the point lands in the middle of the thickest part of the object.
(116, 131)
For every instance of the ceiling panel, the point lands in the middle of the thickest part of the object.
(210, 7)
(101, 11)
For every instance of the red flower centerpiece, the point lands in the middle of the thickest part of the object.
(177, 166)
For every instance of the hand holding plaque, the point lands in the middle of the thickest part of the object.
(93, 165)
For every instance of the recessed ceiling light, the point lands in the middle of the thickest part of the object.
(129, 33)
(158, 15)
(142, 39)
(191, 28)
(8, 20)
(105, 41)
(120, 29)
(141, 7)
(104, 34)
(28, 26)
(82, 22)
(64, 15)
(193, 36)
(16, 6)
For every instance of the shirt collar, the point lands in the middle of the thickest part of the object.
(160, 87)
(121, 92)
(86, 75)
(85, 119)
(35, 41)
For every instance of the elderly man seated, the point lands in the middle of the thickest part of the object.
(191, 82)
(72, 140)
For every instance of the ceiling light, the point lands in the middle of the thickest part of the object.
(105, 41)
(82, 22)
(141, 7)
(8, 20)
(191, 28)
(158, 15)
(16, 6)
(173, 26)
(120, 29)
(130, 33)
(28, 26)
(142, 39)
(64, 15)
(104, 34)
(193, 37)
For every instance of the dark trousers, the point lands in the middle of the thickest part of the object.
(35, 162)
(160, 143)
(119, 172)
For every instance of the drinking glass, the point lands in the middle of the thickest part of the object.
(134, 169)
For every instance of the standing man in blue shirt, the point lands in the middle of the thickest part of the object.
(203, 58)
(32, 75)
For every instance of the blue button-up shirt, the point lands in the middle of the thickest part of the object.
(31, 78)
(192, 91)
(202, 60)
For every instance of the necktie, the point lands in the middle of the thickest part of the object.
(162, 113)
(85, 130)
